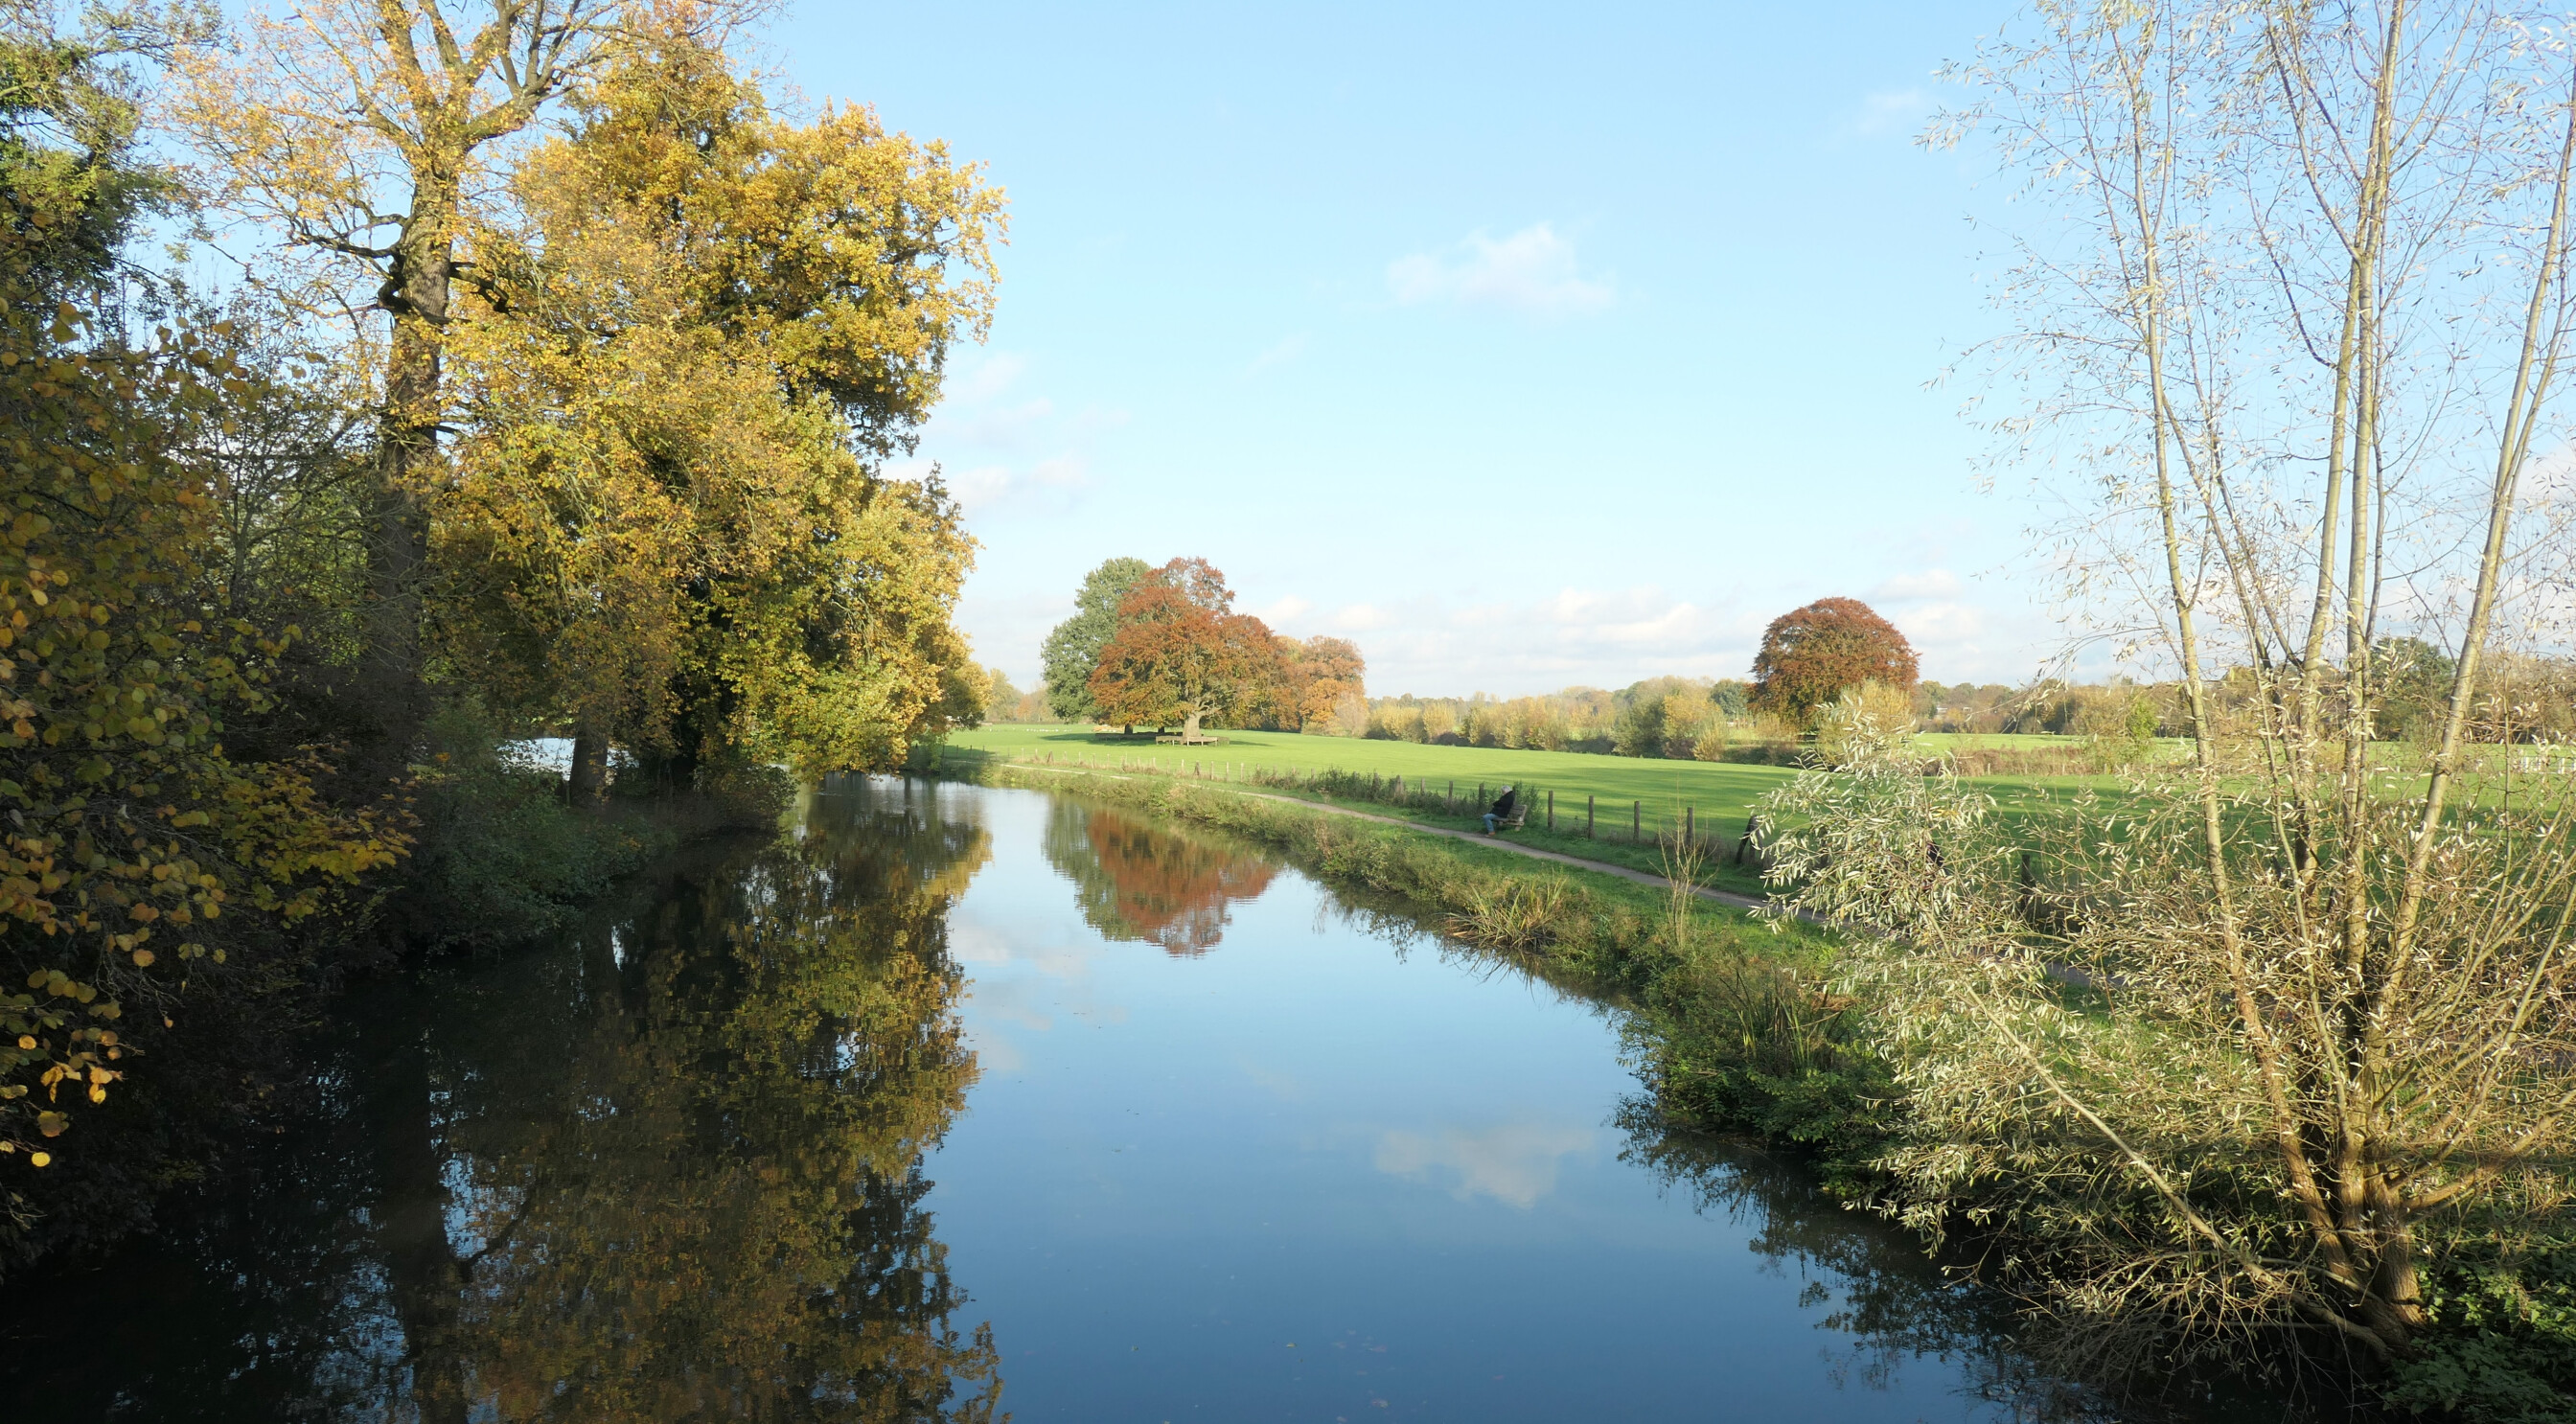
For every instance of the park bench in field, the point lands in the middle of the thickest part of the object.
(1512, 822)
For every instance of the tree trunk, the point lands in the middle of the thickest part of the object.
(416, 292)
(588, 780)
(1190, 726)
(422, 1272)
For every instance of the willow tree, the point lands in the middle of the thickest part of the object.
(709, 325)
(370, 136)
(2299, 324)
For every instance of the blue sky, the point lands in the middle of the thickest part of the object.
(1523, 346)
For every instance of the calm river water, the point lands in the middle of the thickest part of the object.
(957, 1103)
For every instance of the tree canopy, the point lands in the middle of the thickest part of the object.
(663, 531)
(1072, 651)
(1322, 683)
(1181, 652)
(141, 855)
(511, 429)
(1812, 655)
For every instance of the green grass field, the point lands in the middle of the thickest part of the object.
(1624, 790)
(1649, 795)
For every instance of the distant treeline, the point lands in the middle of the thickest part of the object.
(1711, 719)
(1721, 719)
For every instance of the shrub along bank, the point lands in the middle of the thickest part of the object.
(1736, 1028)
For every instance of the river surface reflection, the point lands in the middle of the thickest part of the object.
(956, 1103)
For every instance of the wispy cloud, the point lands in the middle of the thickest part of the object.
(1899, 112)
(1931, 583)
(1006, 451)
(1532, 271)
(989, 378)
(1609, 637)
(982, 487)
(1278, 353)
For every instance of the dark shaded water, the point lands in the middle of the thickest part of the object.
(956, 1103)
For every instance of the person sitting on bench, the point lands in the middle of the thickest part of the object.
(1501, 810)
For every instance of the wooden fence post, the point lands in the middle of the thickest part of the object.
(1551, 810)
(1690, 825)
(1587, 815)
(1636, 820)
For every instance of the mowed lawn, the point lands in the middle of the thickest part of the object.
(1625, 790)
(1721, 792)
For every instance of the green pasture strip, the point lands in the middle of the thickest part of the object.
(1624, 791)
(1717, 789)
(1627, 794)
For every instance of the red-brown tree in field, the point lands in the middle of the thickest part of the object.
(1181, 652)
(1814, 654)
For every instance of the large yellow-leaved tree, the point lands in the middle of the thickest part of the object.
(665, 528)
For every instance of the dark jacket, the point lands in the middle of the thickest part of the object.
(1503, 804)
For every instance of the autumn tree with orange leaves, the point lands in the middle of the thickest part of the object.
(1319, 679)
(1181, 653)
(1812, 655)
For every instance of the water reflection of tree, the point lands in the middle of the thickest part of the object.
(1136, 880)
(1889, 1300)
(670, 1169)
(708, 1202)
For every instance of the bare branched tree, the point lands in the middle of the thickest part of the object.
(2247, 1040)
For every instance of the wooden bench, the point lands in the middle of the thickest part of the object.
(1512, 822)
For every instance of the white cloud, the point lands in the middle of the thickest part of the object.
(981, 487)
(1437, 646)
(1932, 583)
(1009, 427)
(1514, 1163)
(1278, 353)
(1891, 111)
(1285, 610)
(1062, 472)
(1006, 452)
(987, 378)
(985, 487)
(1532, 271)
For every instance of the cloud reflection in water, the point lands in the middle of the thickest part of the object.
(1515, 1162)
